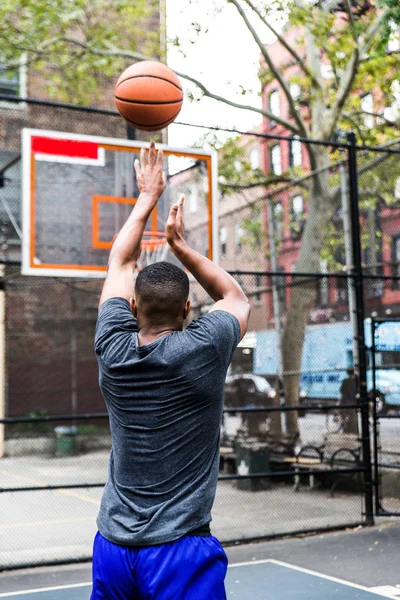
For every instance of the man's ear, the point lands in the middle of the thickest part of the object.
(133, 305)
(187, 308)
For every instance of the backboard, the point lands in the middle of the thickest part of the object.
(78, 191)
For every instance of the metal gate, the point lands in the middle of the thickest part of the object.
(384, 382)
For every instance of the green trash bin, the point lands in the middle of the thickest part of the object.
(252, 457)
(65, 440)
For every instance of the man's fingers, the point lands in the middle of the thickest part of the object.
(179, 212)
(136, 164)
(152, 153)
(143, 158)
(172, 215)
(160, 158)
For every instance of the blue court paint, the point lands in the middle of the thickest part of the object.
(272, 580)
(259, 580)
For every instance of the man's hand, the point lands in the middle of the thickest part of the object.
(126, 247)
(150, 176)
(175, 228)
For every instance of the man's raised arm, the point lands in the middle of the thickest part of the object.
(126, 247)
(222, 288)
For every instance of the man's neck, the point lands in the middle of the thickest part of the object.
(149, 333)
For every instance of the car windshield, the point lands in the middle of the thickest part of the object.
(261, 384)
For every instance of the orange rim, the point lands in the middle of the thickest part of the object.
(158, 239)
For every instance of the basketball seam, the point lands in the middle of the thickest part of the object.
(153, 124)
(151, 77)
(147, 102)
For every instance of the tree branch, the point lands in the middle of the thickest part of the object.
(301, 126)
(261, 111)
(113, 51)
(286, 45)
(350, 74)
(381, 116)
(351, 20)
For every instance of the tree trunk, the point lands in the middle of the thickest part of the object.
(304, 290)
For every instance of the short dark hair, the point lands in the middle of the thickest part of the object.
(162, 289)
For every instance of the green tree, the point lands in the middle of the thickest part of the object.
(75, 45)
(346, 38)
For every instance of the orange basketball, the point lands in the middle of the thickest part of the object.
(149, 95)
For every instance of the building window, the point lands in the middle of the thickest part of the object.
(223, 240)
(391, 113)
(367, 106)
(396, 262)
(278, 220)
(297, 215)
(295, 91)
(342, 290)
(239, 236)
(295, 153)
(9, 82)
(276, 160)
(394, 38)
(274, 105)
(257, 284)
(254, 159)
(193, 200)
(13, 81)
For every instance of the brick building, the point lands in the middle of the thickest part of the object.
(50, 363)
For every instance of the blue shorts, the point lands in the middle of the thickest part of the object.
(191, 568)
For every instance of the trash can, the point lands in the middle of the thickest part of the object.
(252, 457)
(65, 440)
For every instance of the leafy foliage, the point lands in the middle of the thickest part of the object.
(71, 43)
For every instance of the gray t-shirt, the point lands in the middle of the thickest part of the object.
(165, 403)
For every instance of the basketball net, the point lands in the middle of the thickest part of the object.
(154, 248)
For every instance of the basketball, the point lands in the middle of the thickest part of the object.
(149, 95)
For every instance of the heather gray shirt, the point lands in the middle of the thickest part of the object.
(165, 403)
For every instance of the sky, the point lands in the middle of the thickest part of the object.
(223, 59)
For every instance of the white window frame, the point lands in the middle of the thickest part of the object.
(295, 91)
(278, 220)
(367, 104)
(254, 158)
(274, 105)
(223, 240)
(392, 112)
(394, 38)
(276, 159)
(23, 87)
(298, 216)
(239, 234)
(296, 152)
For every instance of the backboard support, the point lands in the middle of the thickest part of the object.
(78, 191)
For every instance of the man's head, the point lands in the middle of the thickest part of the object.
(161, 295)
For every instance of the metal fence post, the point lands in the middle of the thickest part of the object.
(357, 277)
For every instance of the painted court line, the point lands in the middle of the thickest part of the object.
(242, 564)
(44, 523)
(321, 576)
(46, 589)
(60, 490)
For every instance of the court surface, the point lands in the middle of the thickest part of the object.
(258, 580)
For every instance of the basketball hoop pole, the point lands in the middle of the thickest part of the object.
(2, 360)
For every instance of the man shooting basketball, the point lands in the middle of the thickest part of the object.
(163, 387)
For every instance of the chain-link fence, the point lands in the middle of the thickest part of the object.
(315, 250)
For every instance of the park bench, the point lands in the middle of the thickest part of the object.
(339, 450)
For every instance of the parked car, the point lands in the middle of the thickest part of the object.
(246, 389)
